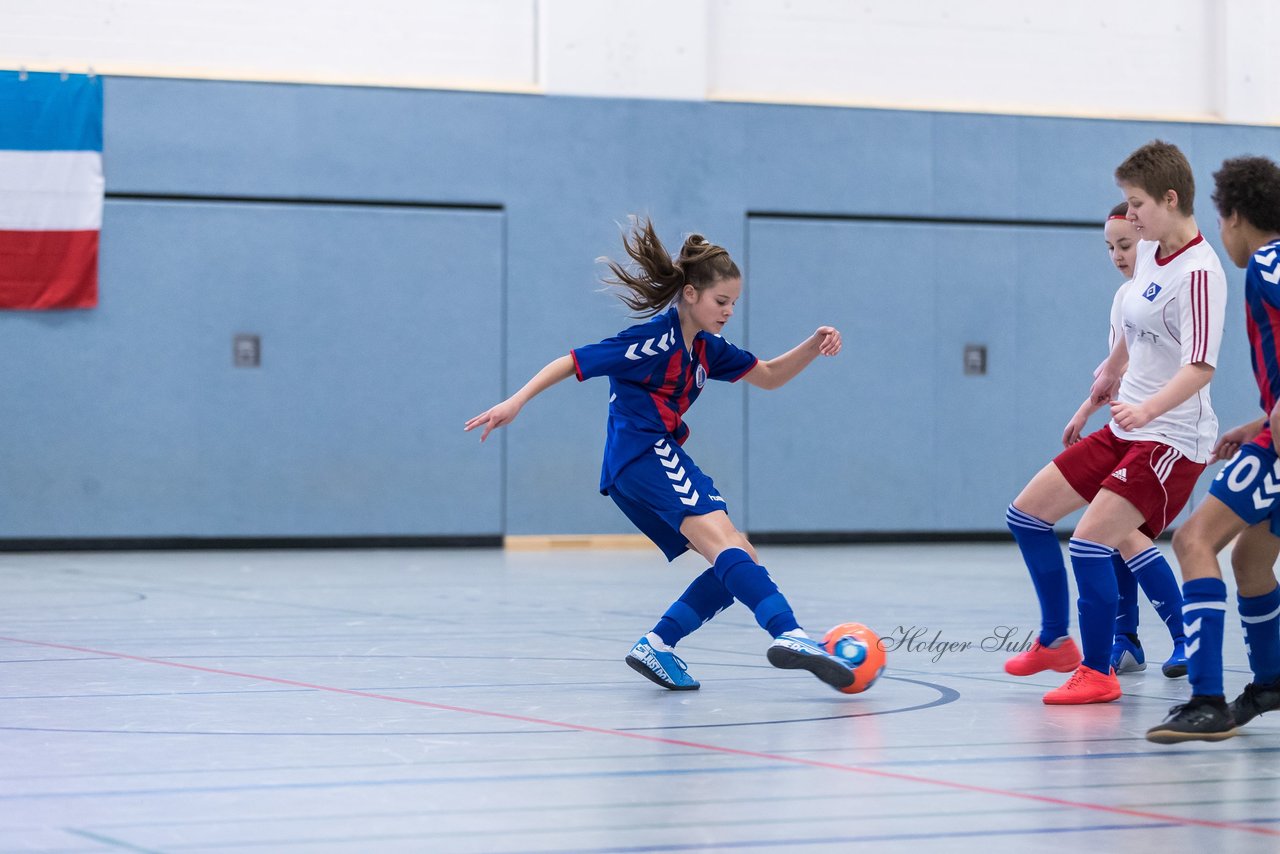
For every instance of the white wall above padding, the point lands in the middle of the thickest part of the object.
(478, 44)
(1197, 60)
(1093, 57)
(621, 48)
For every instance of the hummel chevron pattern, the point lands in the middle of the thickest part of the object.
(1270, 487)
(1192, 629)
(1268, 260)
(663, 344)
(1271, 275)
(679, 481)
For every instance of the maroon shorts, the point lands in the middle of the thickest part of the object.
(1152, 476)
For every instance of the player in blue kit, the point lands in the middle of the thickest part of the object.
(1242, 502)
(656, 371)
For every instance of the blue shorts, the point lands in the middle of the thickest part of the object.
(658, 489)
(1250, 485)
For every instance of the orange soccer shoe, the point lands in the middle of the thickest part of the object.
(1086, 685)
(1063, 658)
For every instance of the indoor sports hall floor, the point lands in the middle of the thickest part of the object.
(476, 701)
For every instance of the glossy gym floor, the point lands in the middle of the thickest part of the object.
(476, 701)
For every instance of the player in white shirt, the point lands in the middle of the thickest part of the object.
(1137, 561)
(1136, 473)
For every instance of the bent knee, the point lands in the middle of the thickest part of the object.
(739, 541)
(1188, 541)
(1134, 544)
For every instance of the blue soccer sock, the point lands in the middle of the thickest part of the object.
(1096, 581)
(1158, 582)
(1204, 609)
(1260, 616)
(751, 585)
(1127, 603)
(703, 599)
(1042, 553)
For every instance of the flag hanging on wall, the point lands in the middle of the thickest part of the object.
(51, 189)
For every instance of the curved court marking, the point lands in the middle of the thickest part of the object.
(731, 751)
(945, 696)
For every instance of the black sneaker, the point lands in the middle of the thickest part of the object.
(1199, 719)
(1254, 700)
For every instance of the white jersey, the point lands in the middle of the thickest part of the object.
(1117, 325)
(1171, 314)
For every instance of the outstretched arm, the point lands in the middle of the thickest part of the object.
(504, 413)
(780, 370)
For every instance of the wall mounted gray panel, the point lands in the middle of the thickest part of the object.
(892, 435)
(115, 418)
(377, 327)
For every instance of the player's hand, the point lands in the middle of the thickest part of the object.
(1104, 388)
(1075, 427)
(1230, 442)
(494, 417)
(1130, 416)
(828, 338)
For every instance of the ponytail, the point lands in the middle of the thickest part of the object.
(655, 279)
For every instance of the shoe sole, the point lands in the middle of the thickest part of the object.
(1171, 736)
(639, 667)
(831, 672)
(1174, 672)
(1066, 668)
(1129, 668)
(1071, 701)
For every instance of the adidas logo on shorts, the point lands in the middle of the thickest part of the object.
(1121, 475)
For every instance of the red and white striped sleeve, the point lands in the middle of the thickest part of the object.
(1202, 311)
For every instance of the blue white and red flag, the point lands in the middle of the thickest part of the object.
(51, 189)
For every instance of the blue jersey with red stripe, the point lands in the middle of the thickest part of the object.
(1262, 312)
(653, 380)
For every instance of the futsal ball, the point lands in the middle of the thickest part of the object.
(862, 648)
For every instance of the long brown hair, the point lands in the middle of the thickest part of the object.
(654, 278)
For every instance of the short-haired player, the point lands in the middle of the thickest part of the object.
(1137, 562)
(1136, 473)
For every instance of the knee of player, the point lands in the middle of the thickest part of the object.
(1187, 541)
(738, 540)
(1254, 577)
(1134, 544)
(1240, 567)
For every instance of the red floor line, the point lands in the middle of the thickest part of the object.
(732, 751)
